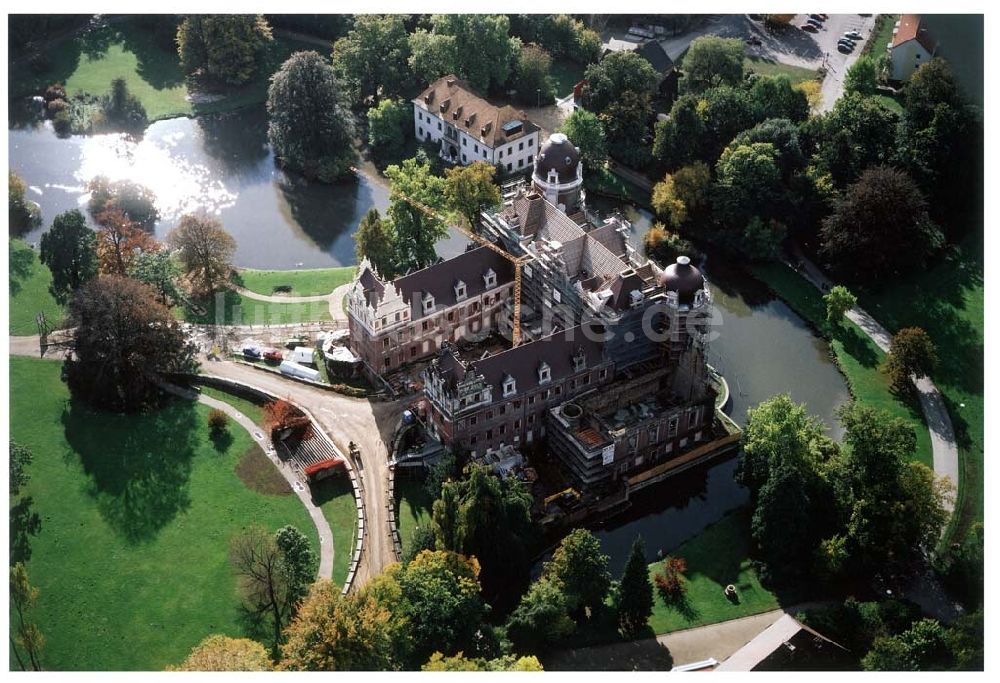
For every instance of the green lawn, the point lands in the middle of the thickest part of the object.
(947, 301)
(254, 411)
(766, 67)
(241, 310)
(881, 34)
(857, 356)
(565, 74)
(136, 516)
(28, 292)
(335, 496)
(89, 62)
(302, 282)
(890, 103)
(715, 558)
(413, 507)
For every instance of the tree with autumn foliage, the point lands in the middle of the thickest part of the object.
(222, 653)
(119, 242)
(205, 251)
(460, 662)
(670, 579)
(280, 415)
(470, 190)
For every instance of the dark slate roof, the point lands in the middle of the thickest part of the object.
(622, 290)
(440, 279)
(522, 362)
(372, 287)
(560, 155)
(683, 278)
(654, 53)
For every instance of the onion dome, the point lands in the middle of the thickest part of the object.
(558, 154)
(683, 278)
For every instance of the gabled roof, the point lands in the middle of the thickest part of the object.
(910, 29)
(469, 267)
(453, 100)
(654, 53)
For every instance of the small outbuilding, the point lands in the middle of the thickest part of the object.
(911, 46)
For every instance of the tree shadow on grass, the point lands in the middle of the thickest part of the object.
(22, 265)
(24, 523)
(159, 68)
(138, 466)
(856, 345)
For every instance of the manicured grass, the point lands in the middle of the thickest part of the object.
(947, 301)
(881, 34)
(28, 291)
(241, 310)
(302, 282)
(89, 62)
(254, 411)
(715, 558)
(137, 512)
(335, 497)
(857, 356)
(766, 67)
(565, 74)
(890, 103)
(413, 508)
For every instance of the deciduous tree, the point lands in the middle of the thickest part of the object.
(710, 62)
(136, 201)
(265, 585)
(69, 249)
(205, 251)
(416, 230)
(159, 270)
(225, 47)
(541, 618)
(298, 558)
(616, 74)
(375, 240)
(586, 132)
(24, 214)
(388, 125)
(222, 653)
(581, 570)
(371, 60)
(485, 54)
(862, 77)
(20, 458)
(25, 633)
(776, 98)
(460, 662)
(470, 190)
(530, 77)
(912, 353)
(839, 301)
(119, 243)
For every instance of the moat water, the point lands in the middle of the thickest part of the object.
(223, 165)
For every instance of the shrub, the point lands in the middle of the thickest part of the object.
(670, 580)
(218, 421)
(62, 122)
(55, 106)
(56, 91)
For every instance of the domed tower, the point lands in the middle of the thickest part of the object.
(687, 302)
(558, 174)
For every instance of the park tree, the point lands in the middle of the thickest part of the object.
(616, 74)
(388, 124)
(223, 47)
(335, 632)
(136, 201)
(371, 60)
(585, 131)
(839, 301)
(922, 647)
(748, 183)
(580, 568)
(20, 457)
(813, 93)
(635, 592)
(680, 139)
(664, 246)
(440, 597)
(857, 134)
(541, 618)
(682, 194)
(159, 270)
(69, 249)
(775, 97)
(298, 559)
(470, 190)
(712, 61)
(485, 54)
(530, 78)
(669, 579)
(460, 662)
(667, 205)
(784, 136)
(26, 639)
(761, 238)
(862, 76)
(560, 34)
(861, 239)
(487, 517)
(123, 340)
(626, 122)
(930, 86)
(375, 241)
(726, 111)
(432, 55)
(24, 214)
(123, 109)
(416, 231)
(911, 354)
(266, 587)
(222, 653)
(205, 251)
(311, 127)
(120, 241)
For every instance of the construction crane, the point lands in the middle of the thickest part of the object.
(517, 261)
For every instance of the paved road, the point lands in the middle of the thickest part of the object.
(836, 62)
(943, 445)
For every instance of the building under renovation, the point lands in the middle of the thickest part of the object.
(607, 363)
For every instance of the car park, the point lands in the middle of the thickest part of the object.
(846, 49)
(853, 35)
(846, 41)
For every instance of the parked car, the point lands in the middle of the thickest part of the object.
(809, 28)
(251, 353)
(824, 17)
(817, 17)
(846, 49)
(846, 41)
(292, 342)
(853, 35)
(815, 22)
(273, 355)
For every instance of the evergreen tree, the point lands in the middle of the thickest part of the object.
(635, 592)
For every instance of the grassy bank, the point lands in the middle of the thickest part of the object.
(28, 290)
(881, 34)
(604, 182)
(252, 410)
(857, 356)
(90, 61)
(301, 282)
(237, 309)
(767, 67)
(137, 512)
(715, 558)
(335, 497)
(947, 301)
(413, 508)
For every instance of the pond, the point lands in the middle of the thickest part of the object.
(220, 164)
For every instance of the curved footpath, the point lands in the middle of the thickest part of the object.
(278, 299)
(943, 445)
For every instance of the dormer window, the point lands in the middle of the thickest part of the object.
(579, 360)
(636, 298)
(428, 303)
(460, 291)
(544, 373)
(490, 278)
(509, 386)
